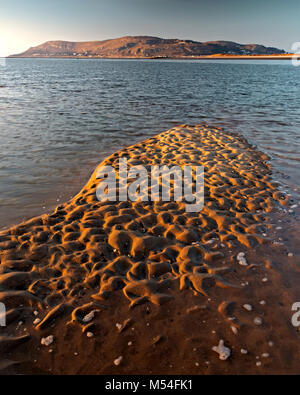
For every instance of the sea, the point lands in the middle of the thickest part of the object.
(59, 118)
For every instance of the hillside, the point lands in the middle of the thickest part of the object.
(143, 47)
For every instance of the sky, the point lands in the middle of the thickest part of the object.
(24, 24)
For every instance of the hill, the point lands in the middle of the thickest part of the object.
(144, 47)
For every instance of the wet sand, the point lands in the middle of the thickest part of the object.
(153, 284)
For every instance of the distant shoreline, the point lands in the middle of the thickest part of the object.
(208, 57)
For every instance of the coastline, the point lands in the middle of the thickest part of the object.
(179, 273)
(208, 57)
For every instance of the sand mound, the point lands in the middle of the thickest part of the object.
(70, 262)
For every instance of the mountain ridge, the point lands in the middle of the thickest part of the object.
(144, 47)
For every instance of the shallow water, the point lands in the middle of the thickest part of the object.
(60, 118)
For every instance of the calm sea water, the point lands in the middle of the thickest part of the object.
(60, 118)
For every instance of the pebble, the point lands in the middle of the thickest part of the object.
(118, 361)
(264, 280)
(36, 321)
(36, 313)
(90, 334)
(271, 344)
(129, 343)
(46, 341)
(243, 351)
(257, 321)
(89, 316)
(241, 259)
(224, 352)
(248, 307)
(258, 363)
(265, 355)
(119, 326)
(262, 302)
(234, 330)
(290, 254)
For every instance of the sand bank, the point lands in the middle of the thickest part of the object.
(151, 283)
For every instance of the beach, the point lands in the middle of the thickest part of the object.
(101, 287)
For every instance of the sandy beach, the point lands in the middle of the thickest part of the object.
(148, 288)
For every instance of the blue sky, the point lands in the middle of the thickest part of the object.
(31, 22)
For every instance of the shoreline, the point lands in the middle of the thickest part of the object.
(162, 287)
(208, 57)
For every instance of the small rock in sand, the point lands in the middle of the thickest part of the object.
(90, 334)
(257, 321)
(243, 351)
(241, 259)
(262, 302)
(46, 341)
(224, 352)
(36, 313)
(248, 307)
(36, 321)
(89, 316)
(290, 254)
(234, 330)
(118, 361)
(265, 355)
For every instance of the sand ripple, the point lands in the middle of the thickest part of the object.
(142, 249)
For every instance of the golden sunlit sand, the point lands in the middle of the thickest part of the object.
(146, 287)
